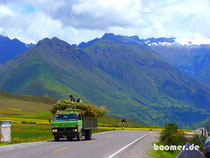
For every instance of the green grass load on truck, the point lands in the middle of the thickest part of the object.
(73, 125)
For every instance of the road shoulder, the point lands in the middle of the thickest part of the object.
(140, 148)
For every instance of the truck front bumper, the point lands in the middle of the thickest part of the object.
(64, 132)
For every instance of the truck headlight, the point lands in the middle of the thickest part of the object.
(75, 130)
(54, 130)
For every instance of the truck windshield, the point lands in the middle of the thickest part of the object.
(65, 117)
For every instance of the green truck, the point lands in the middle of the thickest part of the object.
(73, 125)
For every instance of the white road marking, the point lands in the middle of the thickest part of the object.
(111, 156)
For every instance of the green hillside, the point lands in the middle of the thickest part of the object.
(156, 83)
(129, 79)
(192, 60)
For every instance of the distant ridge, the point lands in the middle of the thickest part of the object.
(10, 48)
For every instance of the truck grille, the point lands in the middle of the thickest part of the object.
(64, 129)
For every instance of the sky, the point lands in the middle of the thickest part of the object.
(82, 20)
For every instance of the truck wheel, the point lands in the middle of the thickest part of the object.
(79, 136)
(56, 138)
(88, 135)
(69, 138)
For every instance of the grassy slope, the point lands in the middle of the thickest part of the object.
(27, 108)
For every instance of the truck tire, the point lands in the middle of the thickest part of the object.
(79, 136)
(88, 135)
(56, 138)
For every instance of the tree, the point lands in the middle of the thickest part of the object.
(171, 135)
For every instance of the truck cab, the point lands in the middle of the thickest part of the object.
(72, 125)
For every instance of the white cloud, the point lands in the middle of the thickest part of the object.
(4, 11)
(82, 20)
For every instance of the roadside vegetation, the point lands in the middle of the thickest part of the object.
(171, 135)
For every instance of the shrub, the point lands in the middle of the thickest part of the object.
(172, 136)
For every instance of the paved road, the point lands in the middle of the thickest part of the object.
(103, 145)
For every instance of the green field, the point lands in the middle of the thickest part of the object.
(18, 108)
(30, 133)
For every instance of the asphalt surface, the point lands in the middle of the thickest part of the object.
(103, 145)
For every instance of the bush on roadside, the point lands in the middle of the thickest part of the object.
(172, 136)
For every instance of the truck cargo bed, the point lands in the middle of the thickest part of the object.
(89, 123)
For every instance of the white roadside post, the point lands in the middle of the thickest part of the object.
(123, 121)
(5, 131)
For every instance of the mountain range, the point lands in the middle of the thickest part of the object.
(192, 59)
(10, 48)
(122, 73)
